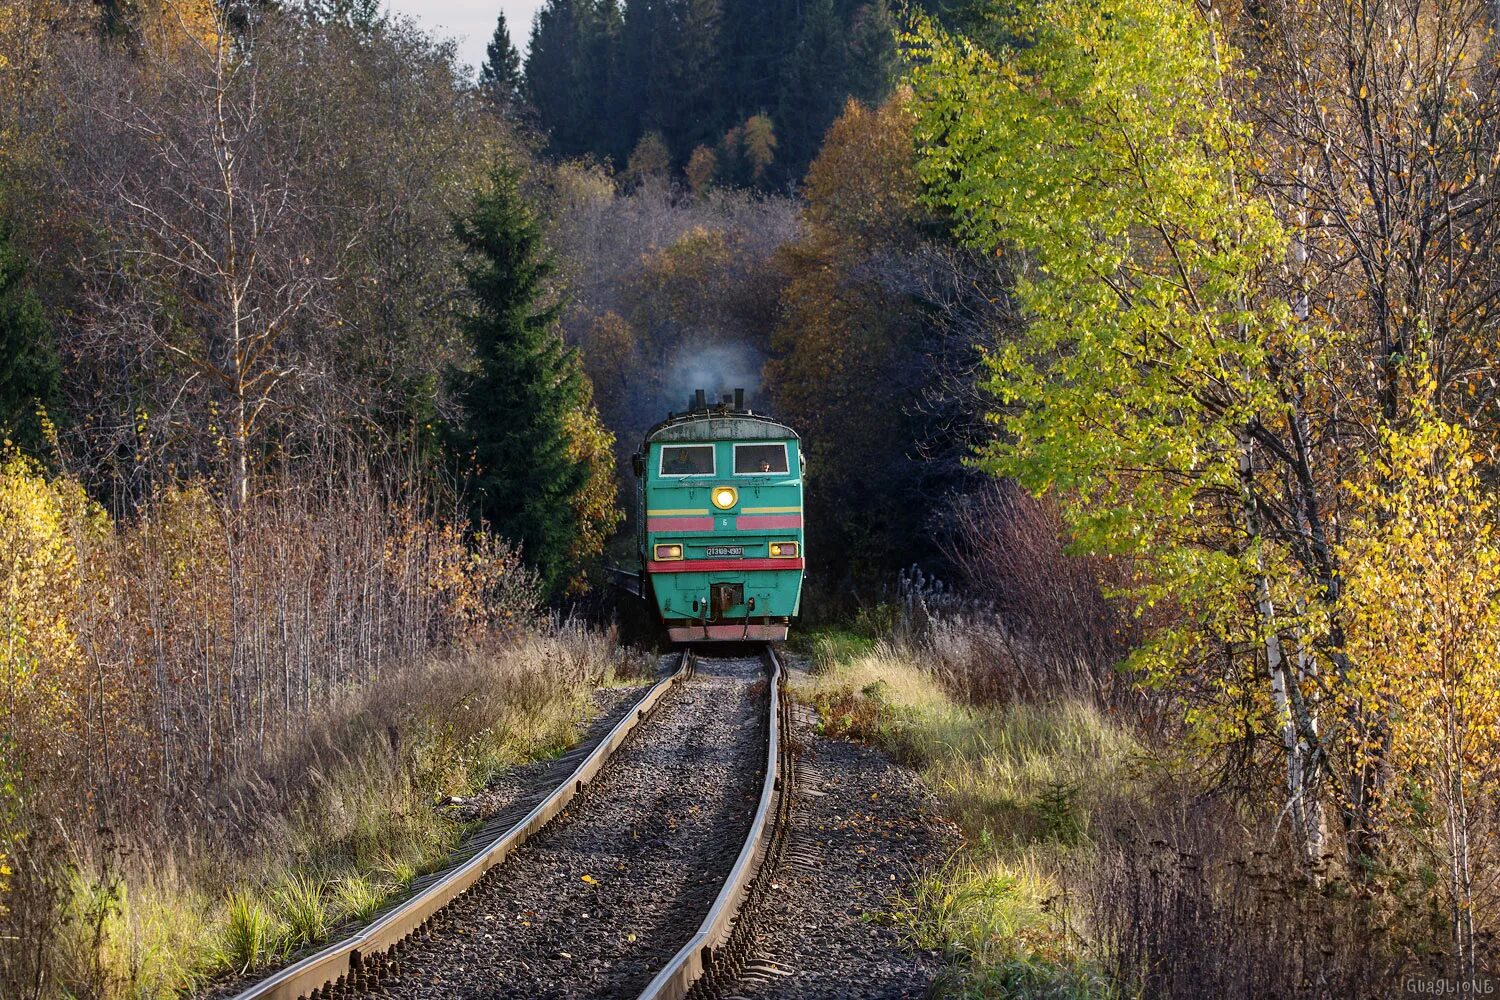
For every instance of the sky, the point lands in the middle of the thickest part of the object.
(471, 22)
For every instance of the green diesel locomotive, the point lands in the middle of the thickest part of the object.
(720, 531)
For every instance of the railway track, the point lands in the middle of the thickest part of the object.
(634, 875)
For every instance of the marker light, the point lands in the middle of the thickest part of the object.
(665, 553)
(783, 550)
(725, 497)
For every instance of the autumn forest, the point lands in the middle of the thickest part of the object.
(1144, 353)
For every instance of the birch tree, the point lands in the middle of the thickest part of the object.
(1242, 273)
(1423, 559)
(1153, 389)
(209, 270)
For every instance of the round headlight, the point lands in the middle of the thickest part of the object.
(725, 497)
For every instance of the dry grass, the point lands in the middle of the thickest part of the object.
(325, 831)
(1099, 864)
(1022, 781)
(1018, 772)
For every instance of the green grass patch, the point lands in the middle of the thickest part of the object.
(827, 647)
(252, 935)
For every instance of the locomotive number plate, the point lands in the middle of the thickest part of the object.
(720, 551)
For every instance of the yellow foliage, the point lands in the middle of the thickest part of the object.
(685, 262)
(1423, 606)
(595, 507)
(42, 524)
(172, 26)
(27, 28)
(759, 137)
(650, 158)
(577, 186)
(863, 185)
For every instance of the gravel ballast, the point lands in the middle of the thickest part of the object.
(604, 897)
(864, 828)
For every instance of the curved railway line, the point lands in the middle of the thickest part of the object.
(672, 818)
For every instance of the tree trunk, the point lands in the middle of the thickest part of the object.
(1302, 773)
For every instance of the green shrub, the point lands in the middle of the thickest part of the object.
(359, 898)
(252, 934)
(298, 902)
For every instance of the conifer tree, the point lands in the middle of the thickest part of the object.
(31, 373)
(872, 52)
(555, 86)
(699, 113)
(604, 73)
(755, 38)
(572, 78)
(500, 76)
(643, 52)
(523, 386)
(813, 85)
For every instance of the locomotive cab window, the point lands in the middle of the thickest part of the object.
(760, 459)
(687, 460)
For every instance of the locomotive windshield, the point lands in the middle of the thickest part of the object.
(759, 459)
(687, 460)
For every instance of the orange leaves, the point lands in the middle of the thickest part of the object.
(701, 168)
(176, 27)
(864, 184)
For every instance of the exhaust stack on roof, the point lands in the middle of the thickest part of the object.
(734, 402)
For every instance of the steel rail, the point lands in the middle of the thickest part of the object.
(696, 957)
(345, 959)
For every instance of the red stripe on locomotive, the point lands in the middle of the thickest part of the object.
(721, 565)
(750, 522)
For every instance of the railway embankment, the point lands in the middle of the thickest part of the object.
(600, 901)
(325, 837)
(1014, 783)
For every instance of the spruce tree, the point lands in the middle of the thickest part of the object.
(31, 374)
(643, 57)
(755, 39)
(554, 86)
(872, 52)
(603, 73)
(500, 76)
(573, 79)
(521, 388)
(813, 87)
(700, 115)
